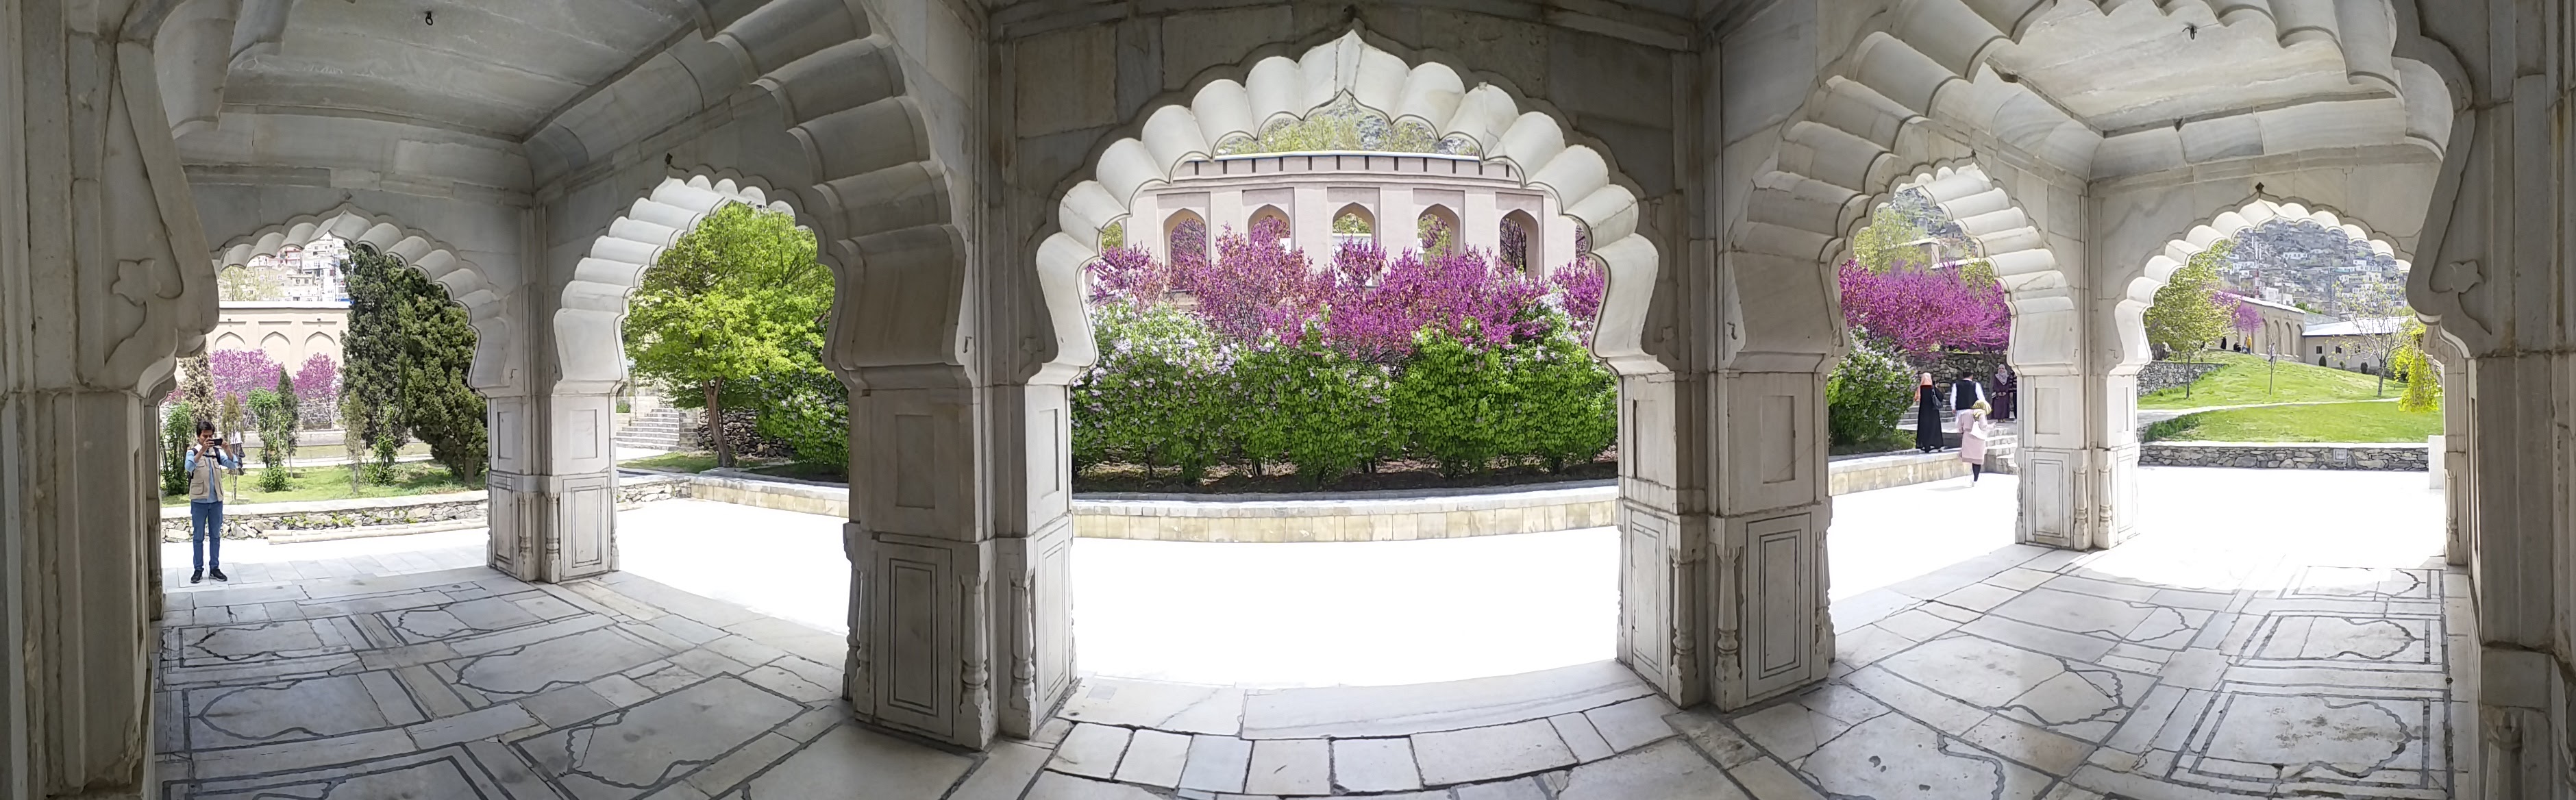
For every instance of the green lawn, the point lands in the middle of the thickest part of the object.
(701, 462)
(332, 483)
(674, 462)
(2330, 422)
(2247, 380)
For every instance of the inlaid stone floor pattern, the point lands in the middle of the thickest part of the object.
(2025, 673)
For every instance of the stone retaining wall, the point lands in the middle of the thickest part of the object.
(2262, 455)
(255, 520)
(374, 516)
(2170, 374)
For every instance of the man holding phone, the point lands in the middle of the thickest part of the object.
(206, 502)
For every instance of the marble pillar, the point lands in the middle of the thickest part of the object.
(2491, 275)
(102, 280)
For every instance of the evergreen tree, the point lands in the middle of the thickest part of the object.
(409, 349)
(737, 299)
(197, 388)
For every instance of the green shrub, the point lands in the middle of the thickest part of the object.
(1867, 394)
(1564, 404)
(1308, 406)
(1155, 396)
(1451, 403)
(809, 409)
(276, 429)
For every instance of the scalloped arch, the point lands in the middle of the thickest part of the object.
(2141, 291)
(2226, 224)
(589, 340)
(2034, 282)
(1430, 92)
(466, 283)
(1931, 62)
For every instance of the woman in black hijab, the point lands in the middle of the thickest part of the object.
(1927, 416)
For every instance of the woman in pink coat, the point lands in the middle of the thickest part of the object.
(1974, 430)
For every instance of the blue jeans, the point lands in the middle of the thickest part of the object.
(206, 534)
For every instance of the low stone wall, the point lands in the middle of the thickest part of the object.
(2170, 375)
(255, 520)
(1889, 471)
(1373, 516)
(1347, 516)
(2264, 455)
(318, 520)
(828, 499)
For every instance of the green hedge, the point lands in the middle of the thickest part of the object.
(1169, 393)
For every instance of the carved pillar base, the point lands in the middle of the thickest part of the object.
(552, 528)
(79, 593)
(552, 487)
(2079, 484)
(923, 567)
(1767, 597)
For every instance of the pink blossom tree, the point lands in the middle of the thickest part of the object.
(1579, 288)
(237, 372)
(1926, 312)
(317, 388)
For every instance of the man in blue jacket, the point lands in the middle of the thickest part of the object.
(206, 502)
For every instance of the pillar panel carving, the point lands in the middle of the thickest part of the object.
(102, 281)
(1772, 627)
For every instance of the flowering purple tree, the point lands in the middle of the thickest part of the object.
(1255, 288)
(1462, 293)
(1579, 288)
(236, 372)
(2245, 317)
(1129, 273)
(1189, 245)
(1925, 312)
(317, 388)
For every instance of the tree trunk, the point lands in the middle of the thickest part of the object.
(715, 424)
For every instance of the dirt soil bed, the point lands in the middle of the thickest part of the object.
(1282, 479)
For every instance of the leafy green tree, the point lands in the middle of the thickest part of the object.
(2423, 378)
(409, 350)
(2186, 314)
(735, 299)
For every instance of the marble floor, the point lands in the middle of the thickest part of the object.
(2270, 634)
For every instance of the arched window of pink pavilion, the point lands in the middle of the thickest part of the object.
(1353, 225)
(1186, 234)
(1438, 229)
(1519, 243)
(1269, 224)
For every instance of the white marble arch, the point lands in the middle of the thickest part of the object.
(2141, 290)
(589, 334)
(1661, 625)
(486, 305)
(2034, 282)
(1434, 94)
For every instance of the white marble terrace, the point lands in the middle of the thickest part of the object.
(2240, 644)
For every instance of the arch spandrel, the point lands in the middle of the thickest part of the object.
(1280, 87)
